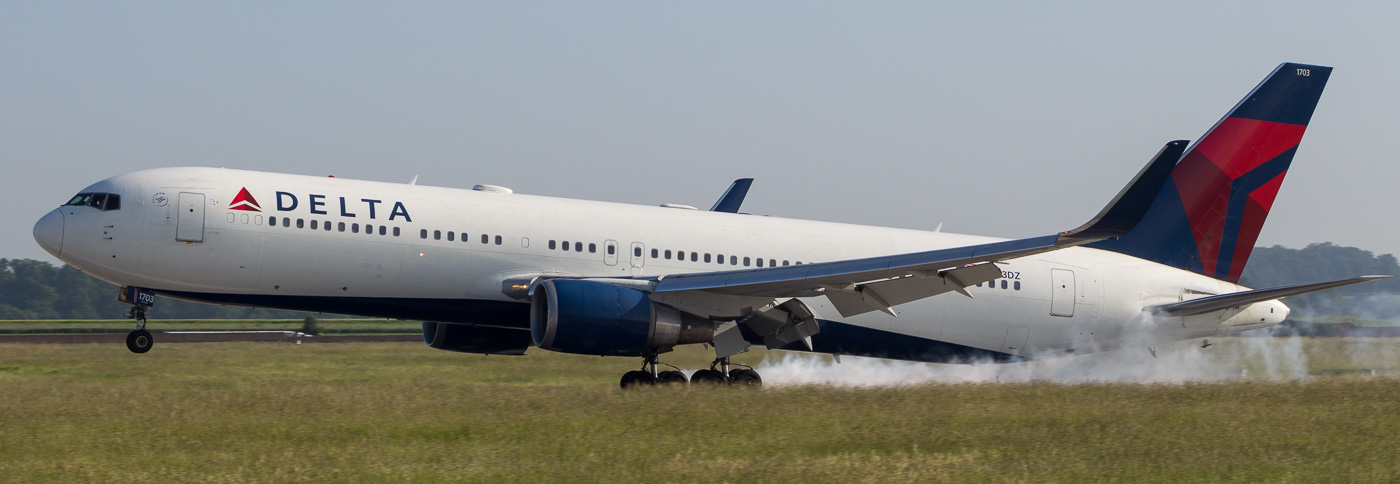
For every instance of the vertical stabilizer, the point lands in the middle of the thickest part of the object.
(1208, 216)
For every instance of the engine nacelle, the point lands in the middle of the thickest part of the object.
(597, 318)
(470, 338)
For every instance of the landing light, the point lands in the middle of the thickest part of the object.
(420, 254)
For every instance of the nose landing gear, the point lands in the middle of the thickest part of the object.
(139, 341)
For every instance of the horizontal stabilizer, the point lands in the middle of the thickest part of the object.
(1245, 298)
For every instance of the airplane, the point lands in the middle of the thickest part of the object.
(490, 271)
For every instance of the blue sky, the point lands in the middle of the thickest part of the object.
(1010, 120)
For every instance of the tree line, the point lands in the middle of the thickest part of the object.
(32, 289)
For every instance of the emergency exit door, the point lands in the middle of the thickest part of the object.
(189, 223)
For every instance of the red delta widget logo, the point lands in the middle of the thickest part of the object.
(316, 204)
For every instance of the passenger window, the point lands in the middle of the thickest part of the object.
(707, 257)
(396, 231)
(244, 219)
(257, 220)
(760, 262)
(772, 263)
(694, 257)
(355, 228)
(301, 224)
(636, 252)
(1017, 285)
(746, 262)
(231, 218)
(552, 245)
(450, 236)
(272, 221)
(484, 239)
(785, 263)
(611, 250)
(315, 225)
(564, 245)
(1003, 283)
(498, 240)
(655, 253)
(668, 254)
(680, 255)
(286, 221)
(979, 284)
(341, 228)
(437, 235)
(381, 230)
(593, 248)
(578, 246)
(421, 232)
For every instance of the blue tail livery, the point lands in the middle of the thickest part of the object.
(1208, 216)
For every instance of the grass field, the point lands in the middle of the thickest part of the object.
(328, 326)
(395, 412)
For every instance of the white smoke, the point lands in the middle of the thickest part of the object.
(1229, 359)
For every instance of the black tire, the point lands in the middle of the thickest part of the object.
(708, 377)
(637, 378)
(139, 341)
(745, 377)
(672, 377)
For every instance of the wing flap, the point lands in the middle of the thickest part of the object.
(884, 295)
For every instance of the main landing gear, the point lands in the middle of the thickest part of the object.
(139, 341)
(718, 373)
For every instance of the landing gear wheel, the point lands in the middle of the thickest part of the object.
(637, 378)
(139, 341)
(672, 377)
(745, 377)
(708, 377)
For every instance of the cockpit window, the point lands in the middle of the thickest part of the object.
(79, 199)
(101, 201)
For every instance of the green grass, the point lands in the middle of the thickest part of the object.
(401, 412)
(328, 326)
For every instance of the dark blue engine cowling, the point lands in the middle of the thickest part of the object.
(597, 318)
(470, 338)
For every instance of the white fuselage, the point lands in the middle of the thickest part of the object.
(177, 232)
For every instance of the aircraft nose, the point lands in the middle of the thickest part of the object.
(48, 232)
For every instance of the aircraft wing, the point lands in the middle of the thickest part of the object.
(877, 283)
(733, 197)
(1245, 298)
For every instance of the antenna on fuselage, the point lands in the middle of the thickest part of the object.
(414, 181)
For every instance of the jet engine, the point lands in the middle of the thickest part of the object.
(470, 338)
(597, 318)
